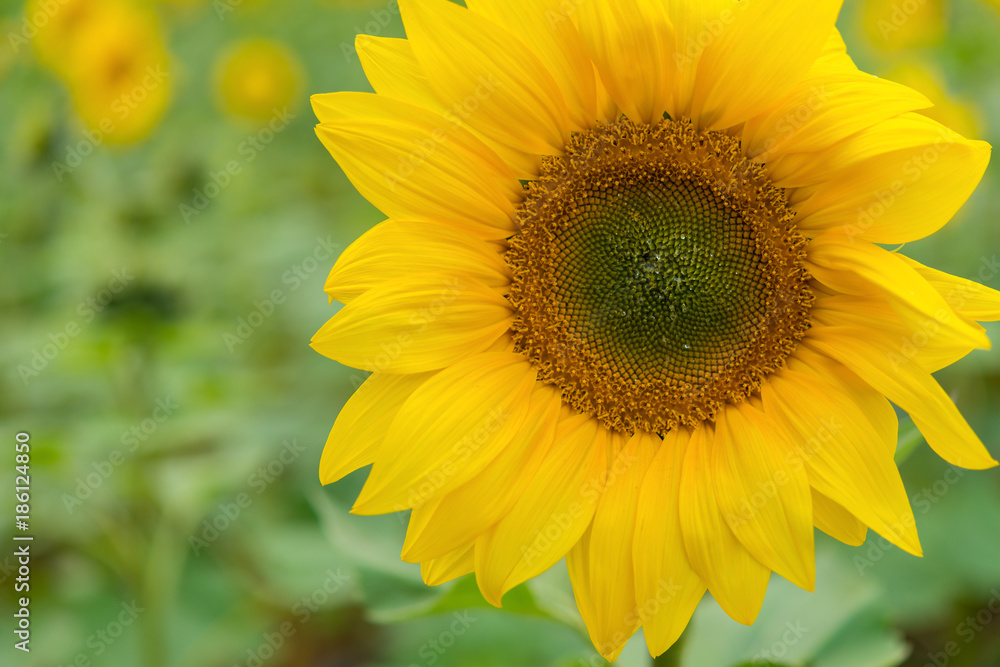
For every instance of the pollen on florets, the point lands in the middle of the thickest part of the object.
(657, 275)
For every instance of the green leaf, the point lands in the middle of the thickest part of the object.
(465, 594)
(863, 642)
(799, 629)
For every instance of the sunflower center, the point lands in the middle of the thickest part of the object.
(657, 275)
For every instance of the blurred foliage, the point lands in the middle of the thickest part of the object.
(162, 279)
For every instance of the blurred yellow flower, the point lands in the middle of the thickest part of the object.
(958, 114)
(112, 57)
(119, 72)
(901, 24)
(59, 27)
(257, 78)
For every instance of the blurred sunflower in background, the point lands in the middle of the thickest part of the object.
(895, 25)
(62, 29)
(951, 111)
(630, 306)
(257, 78)
(112, 57)
(898, 31)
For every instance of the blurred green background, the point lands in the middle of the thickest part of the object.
(162, 265)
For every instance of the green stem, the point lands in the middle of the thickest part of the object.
(908, 442)
(159, 579)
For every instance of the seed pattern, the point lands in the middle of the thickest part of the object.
(657, 275)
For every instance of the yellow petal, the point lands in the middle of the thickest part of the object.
(874, 406)
(413, 164)
(969, 299)
(487, 75)
(910, 387)
(860, 268)
(552, 513)
(393, 71)
(449, 429)
(835, 521)
(696, 25)
(915, 336)
(415, 324)
(471, 509)
(913, 134)
(897, 182)
(757, 57)
(833, 59)
(736, 579)
(363, 422)
(397, 249)
(546, 30)
(821, 111)
(631, 43)
(600, 565)
(809, 118)
(451, 565)
(848, 460)
(666, 587)
(763, 493)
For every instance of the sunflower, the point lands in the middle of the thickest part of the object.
(257, 78)
(113, 59)
(57, 39)
(898, 26)
(117, 69)
(953, 111)
(630, 306)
